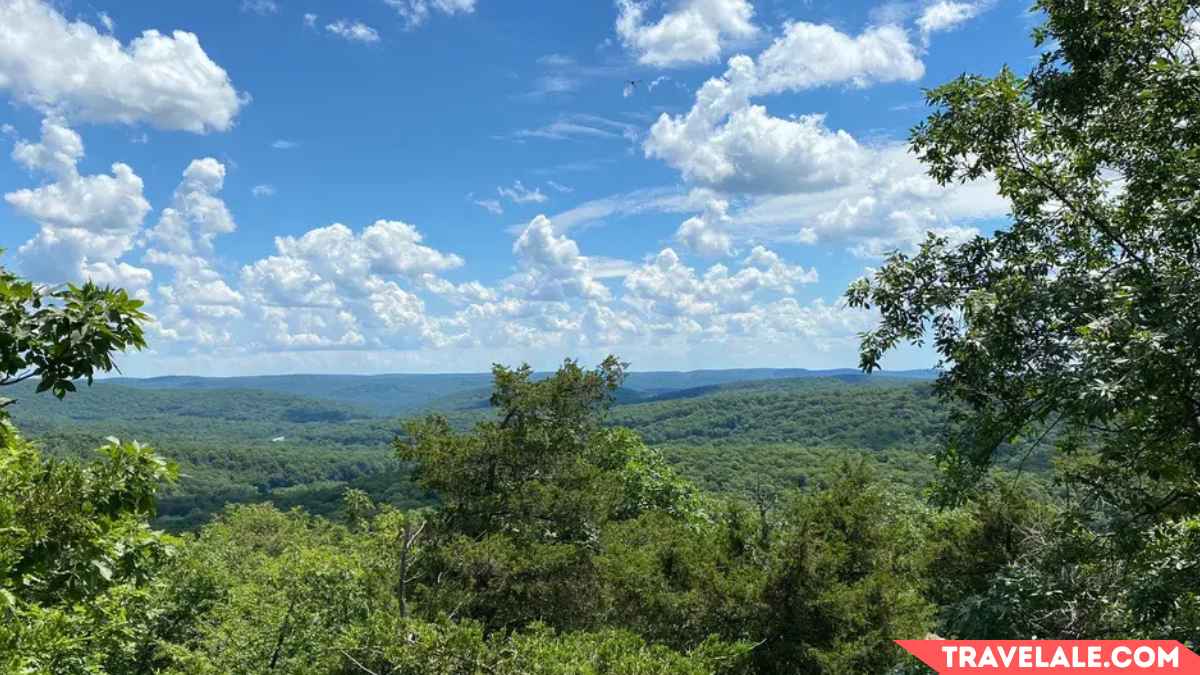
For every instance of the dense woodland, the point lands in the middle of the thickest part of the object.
(246, 445)
(1044, 485)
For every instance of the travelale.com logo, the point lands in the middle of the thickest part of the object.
(1026, 656)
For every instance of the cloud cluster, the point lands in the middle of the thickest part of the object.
(801, 180)
(725, 142)
(754, 179)
(72, 70)
(85, 222)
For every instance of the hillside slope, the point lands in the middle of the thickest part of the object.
(237, 445)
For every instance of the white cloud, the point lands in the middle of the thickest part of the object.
(310, 20)
(693, 31)
(283, 281)
(657, 81)
(284, 144)
(260, 7)
(812, 55)
(198, 306)
(757, 153)
(706, 234)
(351, 263)
(519, 194)
(800, 180)
(551, 266)
(332, 288)
(72, 70)
(560, 187)
(665, 291)
(461, 294)
(263, 190)
(726, 142)
(556, 60)
(196, 215)
(946, 15)
(416, 12)
(891, 204)
(395, 248)
(354, 31)
(85, 222)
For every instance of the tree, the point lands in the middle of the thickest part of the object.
(546, 468)
(1078, 324)
(526, 496)
(1080, 321)
(63, 334)
(78, 560)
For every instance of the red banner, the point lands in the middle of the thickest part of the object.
(993, 657)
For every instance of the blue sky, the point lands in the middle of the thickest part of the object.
(436, 185)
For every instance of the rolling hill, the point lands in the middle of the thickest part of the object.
(406, 394)
(236, 443)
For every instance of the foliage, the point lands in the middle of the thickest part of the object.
(788, 431)
(1083, 313)
(525, 497)
(63, 334)
(1078, 324)
(78, 561)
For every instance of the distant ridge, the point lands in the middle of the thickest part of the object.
(398, 394)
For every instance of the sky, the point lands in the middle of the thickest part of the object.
(377, 186)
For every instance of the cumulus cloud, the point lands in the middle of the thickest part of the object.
(706, 234)
(332, 288)
(692, 31)
(72, 70)
(263, 190)
(196, 215)
(890, 205)
(811, 55)
(416, 12)
(665, 290)
(552, 268)
(354, 31)
(726, 142)
(197, 306)
(801, 180)
(85, 222)
(386, 247)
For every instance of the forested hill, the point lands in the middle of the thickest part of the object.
(244, 444)
(872, 414)
(406, 394)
